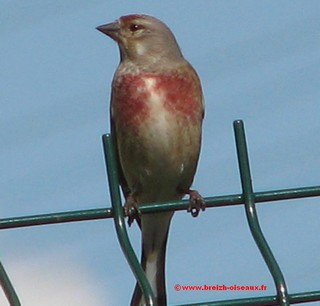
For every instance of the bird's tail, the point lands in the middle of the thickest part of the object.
(153, 255)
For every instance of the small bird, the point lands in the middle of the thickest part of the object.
(156, 113)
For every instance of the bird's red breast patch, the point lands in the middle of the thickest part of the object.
(135, 95)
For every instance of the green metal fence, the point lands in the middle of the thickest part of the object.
(248, 199)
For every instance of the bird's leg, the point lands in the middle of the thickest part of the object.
(131, 208)
(196, 202)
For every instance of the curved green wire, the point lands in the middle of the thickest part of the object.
(252, 217)
(8, 288)
(119, 220)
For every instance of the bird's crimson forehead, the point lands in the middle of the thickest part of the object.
(130, 18)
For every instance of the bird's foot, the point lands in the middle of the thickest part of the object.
(197, 203)
(131, 208)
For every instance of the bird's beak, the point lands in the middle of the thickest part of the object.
(110, 29)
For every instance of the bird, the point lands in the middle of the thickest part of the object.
(156, 110)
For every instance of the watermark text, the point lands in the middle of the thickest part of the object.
(223, 287)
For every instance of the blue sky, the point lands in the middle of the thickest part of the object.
(258, 61)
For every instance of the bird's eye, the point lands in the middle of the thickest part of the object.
(135, 27)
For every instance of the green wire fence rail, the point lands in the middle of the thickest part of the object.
(248, 198)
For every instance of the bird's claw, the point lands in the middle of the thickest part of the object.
(131, 209)
(197, 203)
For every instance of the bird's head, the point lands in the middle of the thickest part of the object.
(143, 40)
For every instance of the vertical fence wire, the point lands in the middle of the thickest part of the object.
(8, 288)
(119, 220)
(252, 217)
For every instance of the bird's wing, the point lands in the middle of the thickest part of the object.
(122, 180)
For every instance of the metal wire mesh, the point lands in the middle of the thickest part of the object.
(248, 198)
